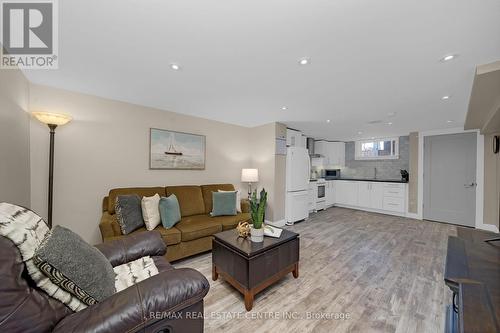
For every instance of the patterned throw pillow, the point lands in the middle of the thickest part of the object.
(134, 272)
(27, 230)
(129, 212)
(76, 266)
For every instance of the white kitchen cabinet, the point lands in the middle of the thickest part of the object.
(376, 196)
(302, 141)
(312, 194)
(346, 192)
(388, 198)
(330, 193)
(364, 194)
(333, 153)
(294, 138)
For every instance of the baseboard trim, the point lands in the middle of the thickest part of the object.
(413, 216)
(488, 227)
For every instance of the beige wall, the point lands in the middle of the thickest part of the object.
(491, 182)
(413, 182)
(262, 155)
(14, 138)
(107, 146)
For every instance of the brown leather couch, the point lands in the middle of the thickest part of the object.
(171, 301)
(193, 234)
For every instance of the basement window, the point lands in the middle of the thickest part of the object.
(377, 149)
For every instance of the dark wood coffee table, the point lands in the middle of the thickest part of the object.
(251, 267)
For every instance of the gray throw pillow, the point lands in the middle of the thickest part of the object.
(75, 266)
(129, 212)
(224, 203)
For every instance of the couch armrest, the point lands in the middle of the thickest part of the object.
(131, 247)
(245, 206)
(140, 305)
(106, 226)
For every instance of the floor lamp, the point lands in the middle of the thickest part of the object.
(52, 120)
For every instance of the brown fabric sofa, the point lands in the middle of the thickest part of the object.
(193, 234)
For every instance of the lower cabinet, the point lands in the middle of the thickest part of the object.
(387, 198)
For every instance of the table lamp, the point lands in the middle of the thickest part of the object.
(249, 176)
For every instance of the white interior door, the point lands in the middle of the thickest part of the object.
(450, 178)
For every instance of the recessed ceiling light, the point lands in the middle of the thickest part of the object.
(373, 137)
(175, 67)
(444, 98)
(284, 108)
(328, 120)
(449, 121)
(359, 133)
(389, 123)
(449, 57)
(391, 114)
(304, 61)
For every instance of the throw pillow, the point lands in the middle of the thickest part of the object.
(238, 199)
(134, 272)
(170, 211)
(129, 212)
(76, 266)
(27, 230)
(151, 211)
(223, 203)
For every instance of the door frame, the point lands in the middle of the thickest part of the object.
(479, 174)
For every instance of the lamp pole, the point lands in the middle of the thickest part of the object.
(52, 128)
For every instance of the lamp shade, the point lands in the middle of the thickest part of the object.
(51, 118)
(249, 175)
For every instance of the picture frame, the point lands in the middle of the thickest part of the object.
(173, 150)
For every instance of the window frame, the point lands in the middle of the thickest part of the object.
(394, 150)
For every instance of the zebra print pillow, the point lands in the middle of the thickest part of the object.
(27, 230)
(61, 280)
(134, 272)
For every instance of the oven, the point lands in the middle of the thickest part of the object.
(320, 194)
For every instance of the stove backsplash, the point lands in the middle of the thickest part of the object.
(386, 169)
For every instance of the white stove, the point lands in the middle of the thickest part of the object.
(320, 194)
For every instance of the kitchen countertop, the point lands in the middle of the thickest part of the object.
(375, 180)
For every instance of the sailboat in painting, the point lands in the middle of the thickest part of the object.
(171, 149)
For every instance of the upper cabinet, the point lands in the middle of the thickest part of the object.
(295, 138)
(333, 153)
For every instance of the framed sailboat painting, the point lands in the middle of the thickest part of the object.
(176, 150)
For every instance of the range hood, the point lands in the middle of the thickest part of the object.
(310, 148)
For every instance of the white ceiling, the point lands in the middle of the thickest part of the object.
(240, 59)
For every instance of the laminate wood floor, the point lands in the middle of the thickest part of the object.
(385, 272)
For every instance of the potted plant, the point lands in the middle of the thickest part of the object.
(258, 208)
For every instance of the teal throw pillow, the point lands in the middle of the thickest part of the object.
(224, 203)
(170, 211)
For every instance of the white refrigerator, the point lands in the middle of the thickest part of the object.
(298, 172)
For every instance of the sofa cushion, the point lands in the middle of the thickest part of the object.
(198, 226)
(151, 211)
(140, 191)
(190, 199)
(170, 236)
(230, 222)
(207, 193)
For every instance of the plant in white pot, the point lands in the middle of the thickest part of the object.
(258, 208)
